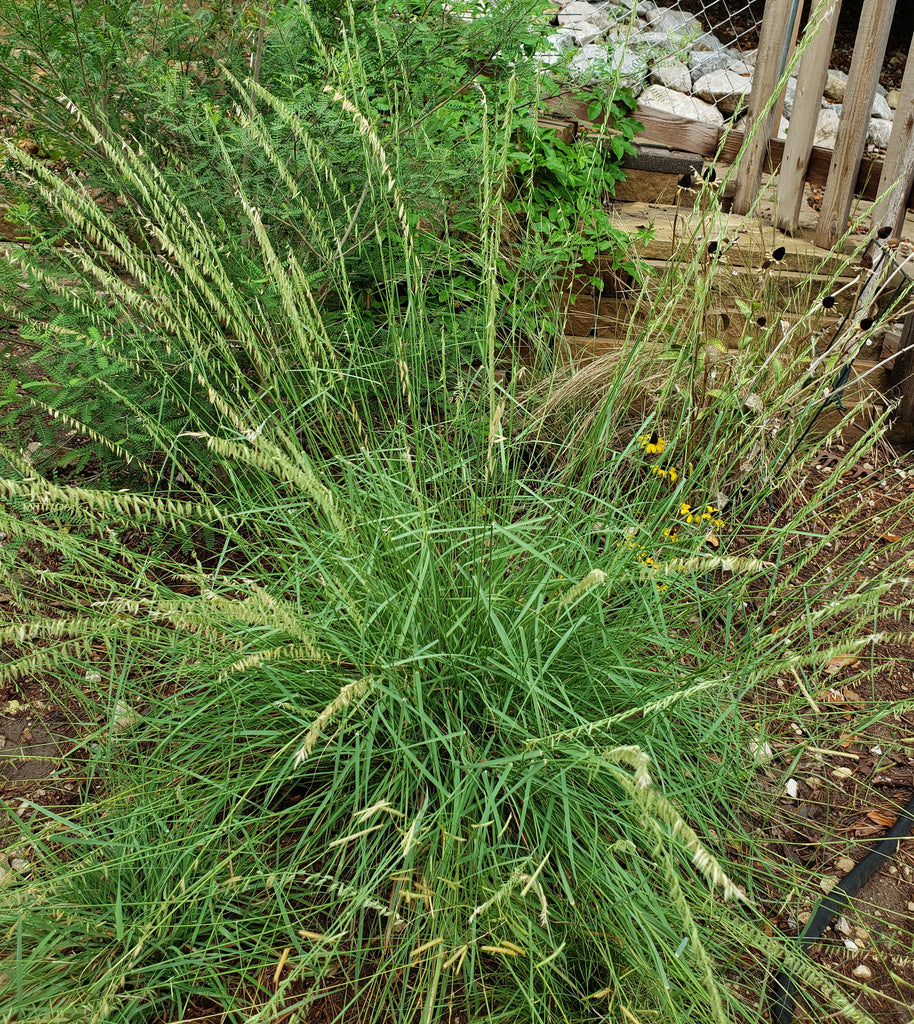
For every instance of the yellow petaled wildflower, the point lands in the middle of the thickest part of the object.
(686, 510)
(709, 514)
(667, 474)
(652, 443)
(671, 534)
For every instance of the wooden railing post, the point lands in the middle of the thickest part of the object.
(869, 49)
(772, 57)
(898, 167)
(791, 47)
(903, 373)
(806, 105)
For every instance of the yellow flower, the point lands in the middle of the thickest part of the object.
(667, 474)
(652, 443)
(686, 510)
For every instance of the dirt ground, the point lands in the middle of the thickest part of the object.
(848, 776)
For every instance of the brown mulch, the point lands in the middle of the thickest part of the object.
(838, 778)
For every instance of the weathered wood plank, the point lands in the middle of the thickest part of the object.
(903, 372)
(866, 64)
(898, 166)
(791, 49)
(708, 142)
(676, 132)
(772, 58)
(806, 105)
(566, 129)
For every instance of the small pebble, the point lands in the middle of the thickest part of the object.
(844, 864)
(862, 971)
(843, 925)
(20, 864)
(851, 944)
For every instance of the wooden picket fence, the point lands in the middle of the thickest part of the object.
(843, 173)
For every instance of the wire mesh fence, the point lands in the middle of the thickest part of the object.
(696, 62)
(690, 58)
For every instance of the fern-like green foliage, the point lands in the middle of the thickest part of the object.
(425, 83)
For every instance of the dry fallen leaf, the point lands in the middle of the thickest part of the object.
(889, 538)
(834, 665)
(886, 820)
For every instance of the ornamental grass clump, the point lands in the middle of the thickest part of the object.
(376, 715)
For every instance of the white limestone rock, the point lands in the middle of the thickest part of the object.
(835, 85)
(579, 12)
(707, 42)
(561, 41)
(739, 67)
(882, 109)
(628, 33)
(879, 132)
(728, 92)
(826, 129)
(594, 64)
(673, 102)
(586, 32)
(703, 63)
(657, 41)
(677, 23)
(892, 97)
(672, 74)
